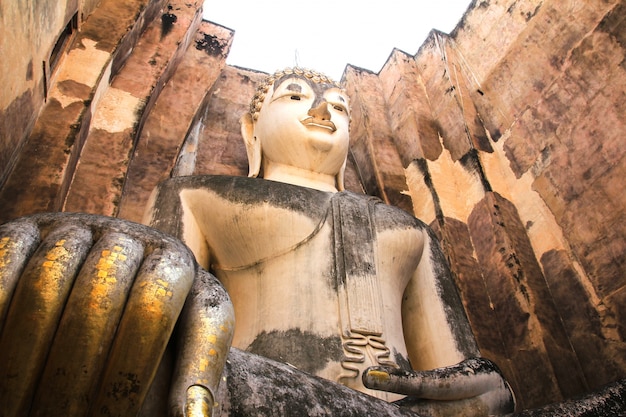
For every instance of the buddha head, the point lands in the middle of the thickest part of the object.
(298, 126)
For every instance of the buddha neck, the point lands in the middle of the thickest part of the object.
(298, 176)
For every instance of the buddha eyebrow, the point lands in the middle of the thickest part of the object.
(294, 87)
(340, 98)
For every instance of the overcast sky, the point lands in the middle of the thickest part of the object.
(326, 35)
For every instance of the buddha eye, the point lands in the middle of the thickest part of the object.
(295, 98)
(338, 108)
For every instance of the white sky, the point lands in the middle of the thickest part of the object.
(326, 35)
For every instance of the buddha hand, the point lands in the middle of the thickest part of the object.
(88, 305)
(473, 387)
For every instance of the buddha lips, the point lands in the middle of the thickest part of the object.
(312, 121)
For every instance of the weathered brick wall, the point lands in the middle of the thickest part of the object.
(45, 166)
(528, 100)
(28, 31)
(506, 136)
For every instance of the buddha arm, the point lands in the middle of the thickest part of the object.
(436, 328)
(450, 376)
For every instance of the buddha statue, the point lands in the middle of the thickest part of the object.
(335, 284)
(344, 305)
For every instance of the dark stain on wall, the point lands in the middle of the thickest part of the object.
(29, 71)
(429, 137)
(479, 135)
(422, 165)
(583, 321)
(530, 15)
(13, 129)
(167, 22)
(74, 89)
(471, 162)
(212, 45)
(614, 24)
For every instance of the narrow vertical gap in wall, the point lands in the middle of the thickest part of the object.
(60, 48)
(45, 80)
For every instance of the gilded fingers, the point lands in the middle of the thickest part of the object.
(206, 330)
(34, 313)
(153, 306)
(87, 323)
(18, 241)
(90, 319)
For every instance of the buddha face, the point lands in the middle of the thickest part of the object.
(303, 124)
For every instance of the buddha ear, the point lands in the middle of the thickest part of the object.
(340, 176)
(253, 145)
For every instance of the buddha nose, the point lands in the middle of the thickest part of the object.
(321, 111)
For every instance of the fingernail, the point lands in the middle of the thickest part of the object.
(199, 401)
(379, 377)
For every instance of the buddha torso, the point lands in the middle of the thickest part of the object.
(286, 255)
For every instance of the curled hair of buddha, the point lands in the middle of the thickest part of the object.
(263, 88)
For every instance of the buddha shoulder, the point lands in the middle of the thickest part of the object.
(259, 217)
(387, 217)
(246, 192)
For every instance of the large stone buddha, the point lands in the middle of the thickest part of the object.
(343, 304)
(330, 290)
(335, 284)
